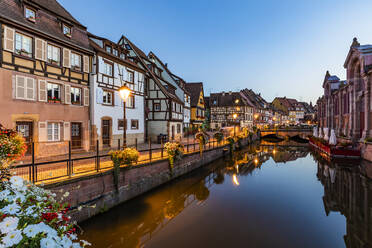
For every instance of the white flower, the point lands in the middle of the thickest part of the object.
(12, 238)
(11, 209)
(66, 194)
(85, 243)
(65, 242)
(31, 231)
(76, 245)
(79, 208)
(47, 230)
(48, 243)
(73, 237)
(20, 196)
(8, 224)
(4, 194)
(17, 182)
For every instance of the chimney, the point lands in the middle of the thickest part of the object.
(223, 93)
(230, 92)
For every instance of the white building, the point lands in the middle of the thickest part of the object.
(111, 70)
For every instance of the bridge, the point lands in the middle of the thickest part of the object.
(284, 133)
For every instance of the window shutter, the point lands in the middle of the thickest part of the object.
(42, 91)
(86, 97)
(39, 49)
(99, 95)
(43, 132)
(45, 50)
(8, 39)
(86, 63)
(66, 131)
(30, 89)
(20, 87)
(66, 58)
(67, 94)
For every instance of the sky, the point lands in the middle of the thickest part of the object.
(275, 47)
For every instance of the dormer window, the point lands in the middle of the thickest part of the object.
(108, 49)
(66, 30)
(122, 56)
(115, 52)
(30, 14)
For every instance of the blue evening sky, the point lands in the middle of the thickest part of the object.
(278, 48)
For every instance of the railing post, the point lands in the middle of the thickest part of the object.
(33, 162)
(187, 143)
(119, 147)
(136, 144)
(97, 155)
(194, 145)
(162, 148)
(69, 164)
(150, 151)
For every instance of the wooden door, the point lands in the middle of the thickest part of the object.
(25, 128)
(106, 132)
(76, 137)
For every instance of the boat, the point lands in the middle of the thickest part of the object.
(334, 151)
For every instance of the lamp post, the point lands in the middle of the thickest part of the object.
(234, 117)
(124, 93)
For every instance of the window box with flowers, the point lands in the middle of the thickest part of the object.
(54, 93)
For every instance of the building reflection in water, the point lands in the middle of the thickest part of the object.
(136, 222)
(348, 190)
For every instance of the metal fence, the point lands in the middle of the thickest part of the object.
(96, 160)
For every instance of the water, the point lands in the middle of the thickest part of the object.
(264, 197)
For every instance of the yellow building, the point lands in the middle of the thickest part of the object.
(197, 103)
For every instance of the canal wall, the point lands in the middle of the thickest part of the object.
(97, 193)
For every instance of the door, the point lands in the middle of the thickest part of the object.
(25, 128)
(76, 137)
(106, 131)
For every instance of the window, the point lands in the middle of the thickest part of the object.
(107, 97)
(30, 14)
(54, 92)
(130, 76)
(201, 100)
(107, 69)
(66, 30)
(134, 124)
(122, 56)
(157, 106)
(115, 52)
(130, 102)
(75, 96)
(108, 49)
(178, 128)
(75, 61)
(54, 54)
(23, 45)
(53, 131)
(121, 124)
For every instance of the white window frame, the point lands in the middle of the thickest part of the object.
(30, 17)
(105, 94)
(53, 53)
(66, 27)
(59, 90)
(73, 99)
(107, 69)
(55, 128)
(23, 44)
(75, 61)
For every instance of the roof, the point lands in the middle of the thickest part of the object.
(194, 89)
(255, 99)
(48, 21)
(288, 103)
(227, 99)
(56, 8)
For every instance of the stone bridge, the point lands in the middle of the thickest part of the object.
(287, 133)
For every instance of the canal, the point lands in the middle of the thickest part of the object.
(265, 196)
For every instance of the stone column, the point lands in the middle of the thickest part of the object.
(354, 112)
(367, 107)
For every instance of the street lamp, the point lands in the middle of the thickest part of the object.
(234, 117)
(124, 93)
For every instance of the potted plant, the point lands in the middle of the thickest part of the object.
(174, 151)
(201, 137)
(127, 157)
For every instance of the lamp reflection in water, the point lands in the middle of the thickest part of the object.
(235, 180)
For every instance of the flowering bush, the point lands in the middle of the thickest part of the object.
(231, 142)
(126, 156)
(12, 146)
(201, 137)
(31, 217)
(174, 151)
(218, 136)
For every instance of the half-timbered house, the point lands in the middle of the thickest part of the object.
(44, 75)
(164, 98)
(187, 102)
(197, 104)
(111, 70)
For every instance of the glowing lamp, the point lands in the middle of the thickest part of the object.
(124, 92)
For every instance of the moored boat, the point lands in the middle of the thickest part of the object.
(334, 151)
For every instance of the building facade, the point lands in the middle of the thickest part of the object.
(197, 104)
(346, 104)
(111, 70)
(44, 74)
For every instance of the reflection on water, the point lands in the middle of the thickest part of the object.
(264, 196)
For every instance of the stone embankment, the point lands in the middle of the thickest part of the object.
(98, 192)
